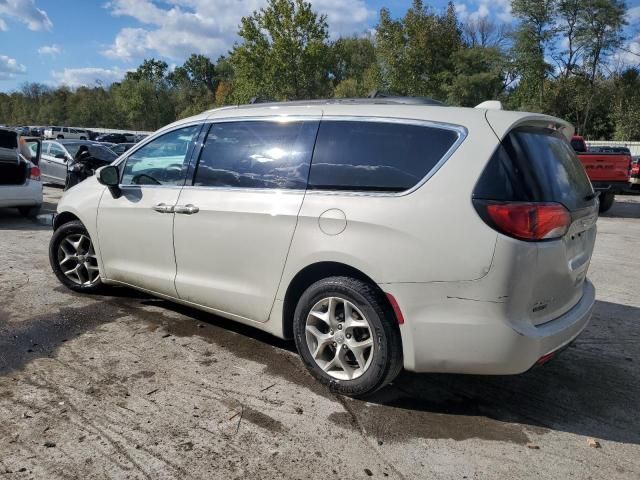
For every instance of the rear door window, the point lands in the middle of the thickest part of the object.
(376, 155)
(257, 154)
(536, 165)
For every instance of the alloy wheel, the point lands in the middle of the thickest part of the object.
(77, 259)
(339, 338)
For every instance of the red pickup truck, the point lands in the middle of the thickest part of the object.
(608, 170)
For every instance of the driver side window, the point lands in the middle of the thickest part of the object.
(163, 161)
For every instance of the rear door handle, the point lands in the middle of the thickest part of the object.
(163, 208)
(186, 209)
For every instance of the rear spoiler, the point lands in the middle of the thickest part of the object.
(490, 105)
(504, 121)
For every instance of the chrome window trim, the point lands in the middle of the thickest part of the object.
(207, 123)
(248, 190)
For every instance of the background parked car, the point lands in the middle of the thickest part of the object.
(607, 167)
(66, 133)
(20, 184)
(56, 156)
(113, 138)
(140, 137)
(634, 174)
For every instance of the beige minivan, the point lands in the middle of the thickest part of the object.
(379, 234)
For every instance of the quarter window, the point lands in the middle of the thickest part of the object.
(162, 161)
(257, 154)
(376, 156)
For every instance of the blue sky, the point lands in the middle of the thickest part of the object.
(78, 42)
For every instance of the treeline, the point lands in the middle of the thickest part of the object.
(561, 57)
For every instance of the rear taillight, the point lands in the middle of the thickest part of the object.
(530, 221)
(35, 173)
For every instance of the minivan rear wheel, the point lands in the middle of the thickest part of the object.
(73, 258)
(347, 337)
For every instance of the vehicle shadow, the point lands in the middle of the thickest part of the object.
(591, 389)
(10, 219)
(624, 207)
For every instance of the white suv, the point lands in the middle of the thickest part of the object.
(377, 234)
(66, 133)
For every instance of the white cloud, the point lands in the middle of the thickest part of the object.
(26, 12)
(88, 76)
(476, 9)
(208, 26)
(633, 14)
(630, 55)
(49, 50)
(9, 68)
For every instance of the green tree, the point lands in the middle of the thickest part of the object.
(481, 73)
(626, 116)
(532, 39)
(352, 57)
(284, 53)
(416, 52)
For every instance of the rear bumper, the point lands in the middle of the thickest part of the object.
(612, 187)
(450, 334)
(29, 194)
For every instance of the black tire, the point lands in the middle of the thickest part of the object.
(387, 359)
(67, 229)
(83, 138)
(29, 212)
(60, 137)
(606, 202)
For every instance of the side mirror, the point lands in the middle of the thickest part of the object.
(110, 176)
(61, 156)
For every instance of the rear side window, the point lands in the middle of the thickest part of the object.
(376, 156)
(257, 154)
(536, 165)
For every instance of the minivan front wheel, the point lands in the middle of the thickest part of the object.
(346, 336)
(73, 258)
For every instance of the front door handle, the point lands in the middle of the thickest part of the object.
(186, 209)
(163, 208)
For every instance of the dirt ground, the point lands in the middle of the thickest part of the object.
(128, 386)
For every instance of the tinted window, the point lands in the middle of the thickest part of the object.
(535, 165)
(352, 155)
(163, 161)
(257, 154)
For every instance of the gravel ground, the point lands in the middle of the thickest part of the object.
(128, 386)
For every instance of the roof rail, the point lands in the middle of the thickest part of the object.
(379, 99)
